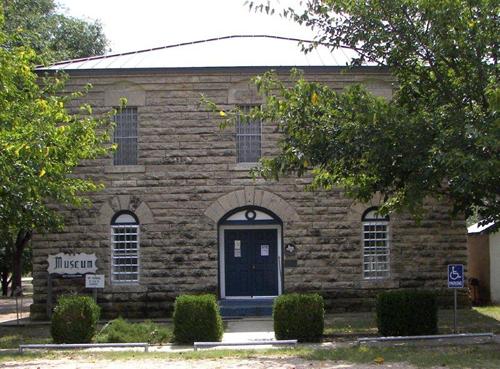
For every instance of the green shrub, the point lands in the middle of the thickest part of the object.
(74, 319)
(197, 319)
(406, 313)
(121, 331)
(299, 316)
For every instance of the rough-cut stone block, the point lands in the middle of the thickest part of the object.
(249, 195)
(124, 201)
(144, 214)
(188, 178)
(134, 98)
(215, 211)
(105, 214)
(258, 197)
(229, 201)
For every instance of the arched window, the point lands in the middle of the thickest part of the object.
(375, 244)
(124, 248)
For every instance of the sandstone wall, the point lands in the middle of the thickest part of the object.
(187, 176)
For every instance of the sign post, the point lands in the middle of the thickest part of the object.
(67, 265)
(455, 281)
(94, 281)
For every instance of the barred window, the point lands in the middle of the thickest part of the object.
(124, 248)
(125, 136)
(248, 138)
(375, 245)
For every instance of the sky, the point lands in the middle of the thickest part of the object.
(134, 25)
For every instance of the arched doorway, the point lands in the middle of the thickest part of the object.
(250, 254)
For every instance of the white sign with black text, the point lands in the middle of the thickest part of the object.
(237, 249)
(72, 263)
(264, 250)
(94, 281)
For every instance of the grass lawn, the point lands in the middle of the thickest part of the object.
(478, 319)
(12, 336)
(491, 311)
(453, 357)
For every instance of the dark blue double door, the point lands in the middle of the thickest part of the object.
(251, 262)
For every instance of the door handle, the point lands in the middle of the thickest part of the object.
(253, 266)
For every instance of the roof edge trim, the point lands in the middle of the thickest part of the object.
(126, 71)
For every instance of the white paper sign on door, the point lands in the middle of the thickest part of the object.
(264, 250)
(237, 249)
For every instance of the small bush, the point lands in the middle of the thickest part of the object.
(299, 316)
(197, 318)
(74, 319)
(406, 313)
(122, 331)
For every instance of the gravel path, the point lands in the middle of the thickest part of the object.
(259, 363)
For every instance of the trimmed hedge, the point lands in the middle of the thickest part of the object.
(74, 319)
(299, 316)
(197, 319)
(407, 313)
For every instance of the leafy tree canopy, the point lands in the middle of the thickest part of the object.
(37, 24)
(439, 136)
(41, 143)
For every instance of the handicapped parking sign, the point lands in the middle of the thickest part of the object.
(455, 276)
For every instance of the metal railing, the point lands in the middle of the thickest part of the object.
(65, 346)
(198, 345)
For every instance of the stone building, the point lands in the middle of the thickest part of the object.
(180, 212)
(483, 251)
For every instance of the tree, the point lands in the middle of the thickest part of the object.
(41, 143)
(37, 23)
(439, 136)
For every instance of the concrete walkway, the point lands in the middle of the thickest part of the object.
(8, 309)
(249, 330)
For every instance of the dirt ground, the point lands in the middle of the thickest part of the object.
(259, 363)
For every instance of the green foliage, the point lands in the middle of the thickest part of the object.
(407, 313)
(122, 331)
(74, 319)
(39, 25)
(41, 143)
(197, 319)
(299, 316)
(439, 134)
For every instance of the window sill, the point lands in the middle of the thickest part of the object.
(132, 287)
(386, 282)
(245, 166)
(124, 169)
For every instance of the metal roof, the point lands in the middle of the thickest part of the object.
(476, 228)
(227, 51)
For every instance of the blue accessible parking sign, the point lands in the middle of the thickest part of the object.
(455, 276)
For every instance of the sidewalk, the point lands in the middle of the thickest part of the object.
(8, 309)
(249, 330)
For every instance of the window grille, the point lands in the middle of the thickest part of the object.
(375, 245)
(248, 138)
(125, 136)
(125, 248)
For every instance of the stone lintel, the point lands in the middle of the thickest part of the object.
(251, 196)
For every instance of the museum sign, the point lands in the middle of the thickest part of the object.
(72, 263)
